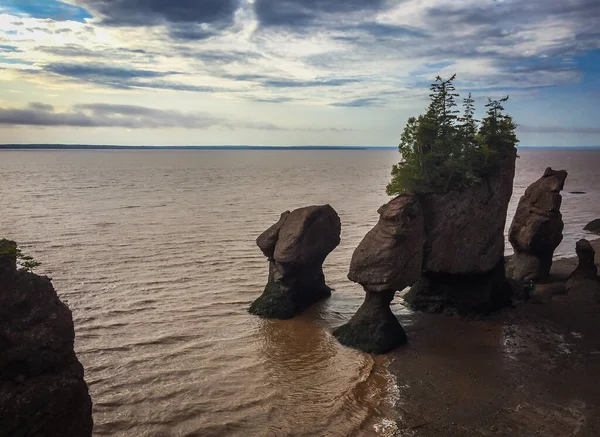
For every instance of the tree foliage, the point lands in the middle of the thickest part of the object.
(443, 150)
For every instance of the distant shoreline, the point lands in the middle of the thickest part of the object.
(229, 147)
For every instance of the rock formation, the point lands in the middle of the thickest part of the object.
(296, 247)
(536, 229)
(42, 390)
(388, 259)
(584, 283)
(593, 226)
(463, 257)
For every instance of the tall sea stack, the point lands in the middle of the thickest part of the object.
(463, 257)
(42, 390)
(296, 247)
(388, 259)
(536, 229)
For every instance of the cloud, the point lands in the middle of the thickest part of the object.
(37, 106)
(9, 49)
(80, 51)
(578, 130)
(125, 78)
(95, 72)
(154, 12)
(285, 83)
(102, 115)
(293, 13)
(359, 103)
(131, 117)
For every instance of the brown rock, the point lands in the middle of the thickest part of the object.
(463, 267)
(593, 226)
(42, 390)
(388, 259)
(537, 227)
(296, 247)
(308, 235)
(390, 256)
(465, 228)
(543, 293)
(586, 269)
(268, 239)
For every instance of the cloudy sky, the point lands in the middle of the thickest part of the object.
(289, 72)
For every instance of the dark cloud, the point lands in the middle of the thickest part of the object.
(152, 12)
(559, 129)
(192, 32)
(75, 50)
(40, 106)
(380, 30)
(285, 83)
(95, 71)
(9, 49)
(104, 115)
(124, 78)
(271, 99)
(212, 57)
(280, 82)
(291, 13)
(359, 103)
(131, 117)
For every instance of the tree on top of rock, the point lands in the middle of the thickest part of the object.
(442, 151)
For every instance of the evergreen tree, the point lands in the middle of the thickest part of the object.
(468, 123)
(498, 129)
(441, 151)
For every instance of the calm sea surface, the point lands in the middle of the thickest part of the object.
(154, 252)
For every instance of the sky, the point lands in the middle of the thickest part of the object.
(290, 72)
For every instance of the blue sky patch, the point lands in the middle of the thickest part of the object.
(53, 9)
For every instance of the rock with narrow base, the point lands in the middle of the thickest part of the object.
(536, 229)
(388, 259)
(296, 247)
(42, 390)
(463, 258)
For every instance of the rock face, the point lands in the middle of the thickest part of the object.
(463, 258)
(42, 390)
(296, 247)
(388, 259)
(536, 229)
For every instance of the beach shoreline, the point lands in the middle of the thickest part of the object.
(524, 371)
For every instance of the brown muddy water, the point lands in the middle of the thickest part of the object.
(154, 252)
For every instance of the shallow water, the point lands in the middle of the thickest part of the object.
(154, 252)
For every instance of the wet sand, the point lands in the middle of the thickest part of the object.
(529, 370)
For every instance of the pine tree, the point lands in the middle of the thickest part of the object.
(468, 123)
(498, 129)
(442, 151)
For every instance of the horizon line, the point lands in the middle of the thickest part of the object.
(227, 147)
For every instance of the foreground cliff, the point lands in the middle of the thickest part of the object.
(42, 390)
